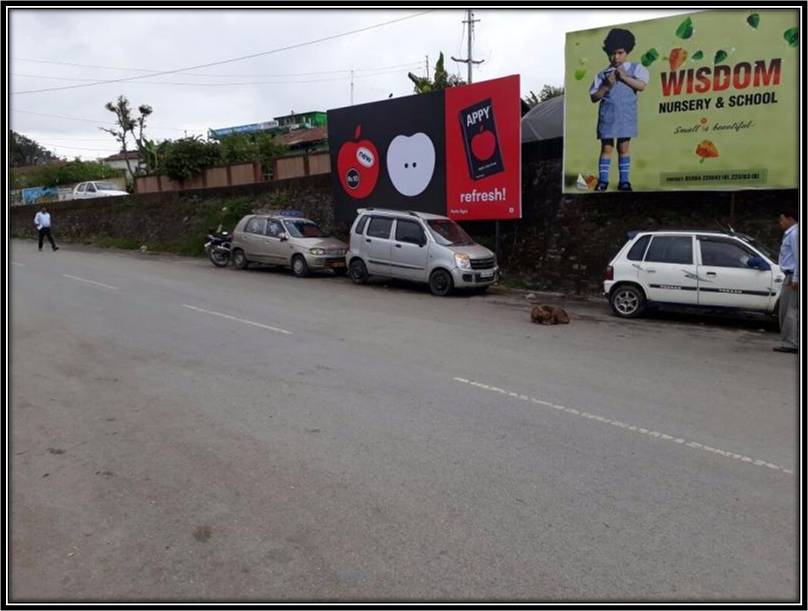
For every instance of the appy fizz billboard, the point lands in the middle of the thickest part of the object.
(455, 152)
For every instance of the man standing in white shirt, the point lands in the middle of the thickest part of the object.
(42, 220)
(789, 263)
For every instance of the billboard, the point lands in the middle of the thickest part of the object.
(703, 101)
(242, 129)
(454, 152)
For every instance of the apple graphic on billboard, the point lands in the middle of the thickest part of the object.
(411, 163)
(483, 144)
(358, 166)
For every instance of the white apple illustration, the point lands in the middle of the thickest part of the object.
(411, 163)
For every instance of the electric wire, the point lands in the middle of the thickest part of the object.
(225, 61)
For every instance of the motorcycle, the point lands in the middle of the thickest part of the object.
(218, 248)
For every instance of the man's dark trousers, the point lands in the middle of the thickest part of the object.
(45, 231)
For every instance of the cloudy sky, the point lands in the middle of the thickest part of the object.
(57, 49)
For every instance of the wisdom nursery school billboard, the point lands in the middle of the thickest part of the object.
(455, 152)
(705, 101)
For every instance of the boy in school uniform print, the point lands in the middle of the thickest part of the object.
(615, 88)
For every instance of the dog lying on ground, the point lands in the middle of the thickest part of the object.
(549, 315)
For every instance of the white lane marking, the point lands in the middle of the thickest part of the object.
(106, 286)
(246, 322)
(17, 264)
(630, 427)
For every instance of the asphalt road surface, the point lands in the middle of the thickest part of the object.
(181, 432)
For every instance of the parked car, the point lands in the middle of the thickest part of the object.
(286, 241)
(420, 247)
(97, 188)
(710, 269)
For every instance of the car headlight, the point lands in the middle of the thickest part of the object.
(462, 261)
(317, 251)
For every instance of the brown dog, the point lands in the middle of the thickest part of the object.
(549, 315)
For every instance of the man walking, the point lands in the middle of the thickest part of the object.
(42, 220)
(789, 263)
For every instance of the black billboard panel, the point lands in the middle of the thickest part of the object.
(389, 155)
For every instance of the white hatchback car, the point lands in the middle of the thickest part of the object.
(97, 188)
(710, 269)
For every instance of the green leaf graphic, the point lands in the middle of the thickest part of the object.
(792, 36)
(720, 56)
(580, 73)
(753, 20)
(697, 56)
(685, 29)
(649, 57)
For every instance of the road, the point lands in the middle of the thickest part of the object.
(181, 432)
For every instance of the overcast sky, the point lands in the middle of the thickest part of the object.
(123, 43)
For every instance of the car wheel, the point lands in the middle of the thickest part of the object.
(627, 301)
(440, 283)
(240, 259)
(359, 273)
(299, 267)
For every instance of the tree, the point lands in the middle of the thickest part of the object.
(547, 92)
(441, 80)
(24, 151)
(125, 126)
(263, 147)
(68, 173)
(187, 157)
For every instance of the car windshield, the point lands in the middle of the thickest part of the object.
(106, 186)
(755, 243)
(448, 233)
(303, 229)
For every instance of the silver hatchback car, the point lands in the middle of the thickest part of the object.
(287, 241)
(418, 246)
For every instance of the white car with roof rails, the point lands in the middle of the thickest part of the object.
(420, 247)
(703, 268)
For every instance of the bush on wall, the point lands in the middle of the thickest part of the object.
(63, 174)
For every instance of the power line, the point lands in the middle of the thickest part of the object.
(226, 61)
(76, 148)
(95, 121)
(152, 70)
(223, 84)
(107, 139)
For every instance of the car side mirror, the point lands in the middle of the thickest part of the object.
(283, 236)
(758, 263)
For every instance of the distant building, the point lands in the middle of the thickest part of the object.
(278, 125)
(118, 162)
(315, 118)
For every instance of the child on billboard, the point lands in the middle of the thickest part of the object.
(615, 88)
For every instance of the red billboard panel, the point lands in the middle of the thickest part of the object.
(483, 151)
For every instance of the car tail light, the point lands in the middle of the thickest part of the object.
(609, 273)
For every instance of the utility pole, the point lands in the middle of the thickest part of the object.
(427, 66)
(351, 87)
(470, 20)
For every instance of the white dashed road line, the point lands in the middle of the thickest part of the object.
(101, 284)
(246, 322)
(18, 264)
(629, 427)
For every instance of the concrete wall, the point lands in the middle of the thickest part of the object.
(170, 218)
(221, 176)
(563, 244)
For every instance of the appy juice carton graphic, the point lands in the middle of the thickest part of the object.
(479, 129)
